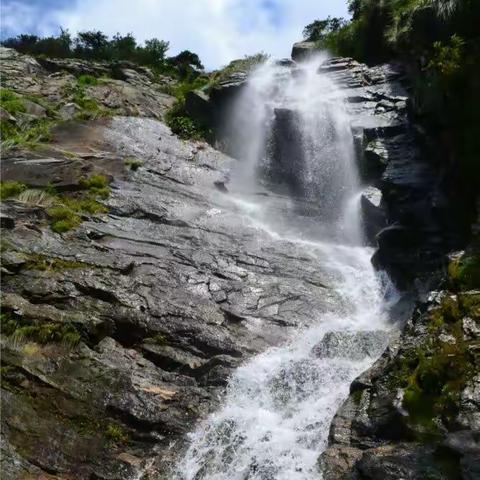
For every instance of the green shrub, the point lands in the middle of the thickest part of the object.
(10, 188)
(133, 163)
(96, 184)
(63, 219)
(27, 134)
(116, 433)
(464, 272)
(184, 126)
(11, 102)
(87, 80)
(39, 331)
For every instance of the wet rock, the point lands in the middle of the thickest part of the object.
(403, 461)
(7, 221)
(355, 346)
(167, 293)
(374, 215)
(198, 105)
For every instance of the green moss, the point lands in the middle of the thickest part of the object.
(68, 212)
(464, 271)
(133, 163)
(35, 261)
(42, 332)
(96, 184)
(10, 188)
(158, 339)
(116, 433)
(87, 80)
(63, 219)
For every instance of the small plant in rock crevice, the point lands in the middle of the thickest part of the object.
(10, 188)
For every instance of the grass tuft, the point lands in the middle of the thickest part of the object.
(11, 188)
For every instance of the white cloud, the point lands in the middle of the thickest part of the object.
(19, 17)
(218, 30)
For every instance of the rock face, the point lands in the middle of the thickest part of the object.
(414, 414)
(123, 331)
(122, 87)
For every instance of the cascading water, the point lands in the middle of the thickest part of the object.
(294, 138)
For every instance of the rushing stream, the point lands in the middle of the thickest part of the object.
(293, 137)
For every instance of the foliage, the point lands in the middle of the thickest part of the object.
(10, 188)
(95, 45)
(133, 163)
(183, 125)
(24, 132)
(36, 261)
(439, 41)
(158, 339)
(63, 219)
(39, 331)
(10, 101)
(186, 63)
(116, 433)
(87, 80)
(434, 373)
(97, 185)
(464, 271)
(69, 209)
(320, 29)
(20, 131)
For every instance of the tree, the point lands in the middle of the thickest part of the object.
(92, 44)
(319, 29)
(187, 58)
(123, 47)
(22, 43)
(153, 53)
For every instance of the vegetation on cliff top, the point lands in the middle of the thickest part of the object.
(95, 45)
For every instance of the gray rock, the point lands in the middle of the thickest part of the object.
(354, 346)
(374, 215)
(303, 50)
(68, 111)
(5, 116)
(34, 109)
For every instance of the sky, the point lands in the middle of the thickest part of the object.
(217, 30)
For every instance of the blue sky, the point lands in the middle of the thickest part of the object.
(218, 30)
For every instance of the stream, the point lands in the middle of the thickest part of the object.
(297, 182)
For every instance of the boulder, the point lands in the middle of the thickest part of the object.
(68, 111)
(199, 106)
(354, 346)
(5, 116)
(303, 51)
(34, 109)
(374, 215)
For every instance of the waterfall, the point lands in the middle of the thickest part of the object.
(293, 136)
(297, 180)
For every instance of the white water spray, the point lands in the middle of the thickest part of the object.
(292, 131)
